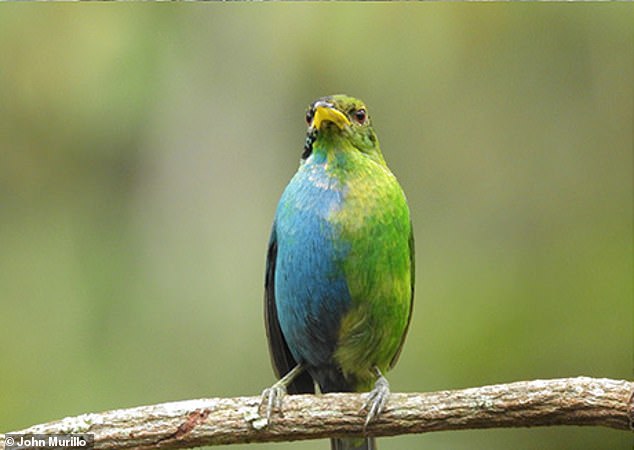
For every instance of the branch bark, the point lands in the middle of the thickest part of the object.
(194, 423)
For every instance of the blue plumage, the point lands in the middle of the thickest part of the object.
(311, 291)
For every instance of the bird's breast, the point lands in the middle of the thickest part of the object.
(311, 290)
(331, 231)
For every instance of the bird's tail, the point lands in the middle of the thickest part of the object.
(353, 444)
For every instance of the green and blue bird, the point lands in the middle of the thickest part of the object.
(340, 266)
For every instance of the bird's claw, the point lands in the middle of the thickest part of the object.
(272, 398)
(377, 399)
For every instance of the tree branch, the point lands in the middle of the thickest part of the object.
(193, 423)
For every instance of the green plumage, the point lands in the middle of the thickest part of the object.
(379, 266)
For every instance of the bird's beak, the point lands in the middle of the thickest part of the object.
(326, 113)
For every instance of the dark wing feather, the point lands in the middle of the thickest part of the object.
(411, 301)
(281, 357)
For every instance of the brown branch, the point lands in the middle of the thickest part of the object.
(194, 423)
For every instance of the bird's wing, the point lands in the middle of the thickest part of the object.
(281, 357)
(411, 301)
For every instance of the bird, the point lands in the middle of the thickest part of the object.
(339, 281)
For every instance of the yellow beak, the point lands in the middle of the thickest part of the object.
(326, 113)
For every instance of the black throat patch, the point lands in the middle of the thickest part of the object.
(308, 144)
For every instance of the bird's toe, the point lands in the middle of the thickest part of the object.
(377, 399)
(271, 398)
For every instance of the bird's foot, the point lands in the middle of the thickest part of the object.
(271, 398)
(377, 398)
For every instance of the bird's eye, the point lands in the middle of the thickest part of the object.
(360, 115)
(309, 116)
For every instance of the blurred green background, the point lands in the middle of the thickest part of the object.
(143, 149)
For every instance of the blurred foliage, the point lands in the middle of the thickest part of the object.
(143, 149)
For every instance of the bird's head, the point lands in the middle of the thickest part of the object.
(341, 122)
